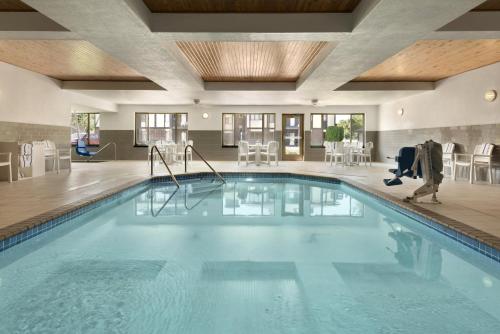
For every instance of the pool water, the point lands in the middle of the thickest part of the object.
(261, 255)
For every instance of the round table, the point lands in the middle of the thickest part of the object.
(258, 147)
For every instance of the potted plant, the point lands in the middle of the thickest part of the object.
(334, 134)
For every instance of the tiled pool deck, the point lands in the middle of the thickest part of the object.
(115, 177)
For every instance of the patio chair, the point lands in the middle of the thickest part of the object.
(271, 151)
(338, 153)
(189, 152)
(63, 154)
(244, 151)
(448, 158)
(481, 158)
(6, 161)
(328, 150)
(363, 154)
(50, 152)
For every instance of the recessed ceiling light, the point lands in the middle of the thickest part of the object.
(205, 115)
(401, 111)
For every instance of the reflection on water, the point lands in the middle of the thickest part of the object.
(332, 202)
(241, 198)
(249, 199)
(414, 252)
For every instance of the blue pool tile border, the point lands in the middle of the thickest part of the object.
(51, 219)
(453, 229)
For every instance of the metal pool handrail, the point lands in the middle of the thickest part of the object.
(202, 158)
(162, 159)
(102, 149)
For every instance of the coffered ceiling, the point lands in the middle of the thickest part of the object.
(65, 60)
(240, 50)
(251, 6)
(432, 60)
(251, 61)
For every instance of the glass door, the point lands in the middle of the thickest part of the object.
(292, 141)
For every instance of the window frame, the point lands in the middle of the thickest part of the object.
(246, 114)
(88, 128)
(174, 128)
(335, 122)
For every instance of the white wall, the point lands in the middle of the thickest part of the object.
(124, 118)
(455, 101)
(28, 97)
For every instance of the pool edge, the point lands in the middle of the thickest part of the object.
(482, 242)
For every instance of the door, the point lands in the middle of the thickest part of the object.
(292, 138)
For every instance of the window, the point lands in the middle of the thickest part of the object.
(353, 124)
(150, 128)
(250, 127)
(85, 127)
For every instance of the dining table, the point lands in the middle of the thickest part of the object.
(257, 148)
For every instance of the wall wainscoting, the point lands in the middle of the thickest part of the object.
(207, 142)
(25, 132)
(466, 138)
(125, 149)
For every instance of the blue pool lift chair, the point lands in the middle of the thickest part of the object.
(81, 150)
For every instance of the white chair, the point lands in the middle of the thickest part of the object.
(481, 158)
(338, 152)
(328, 150)
(50, 152)
(189, 152)
(365, 153)
(448, 158)
(244, 151)
(7, 162)
(63, 154)
(182, 153)
(271, 151)
(170, 153)
(179, 153)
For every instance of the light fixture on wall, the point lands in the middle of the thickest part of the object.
(196, 103)
(401, 112)
(490, 95)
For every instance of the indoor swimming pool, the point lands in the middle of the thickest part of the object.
(255, 255)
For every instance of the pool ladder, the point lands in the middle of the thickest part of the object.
(202, 158)
(185, 163)
(164, 162)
